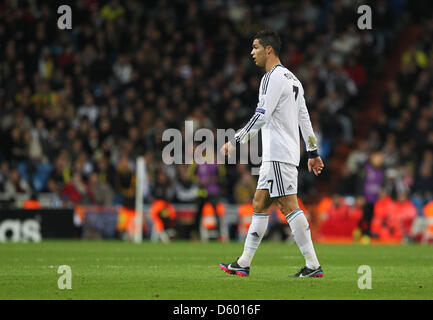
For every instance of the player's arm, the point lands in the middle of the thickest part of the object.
(315, 163)
(265, 108)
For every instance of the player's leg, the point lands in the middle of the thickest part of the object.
(288, 204)
(259, 223)
(256, 231)
(258, 226)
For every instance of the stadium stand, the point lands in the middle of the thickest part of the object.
(78, 106)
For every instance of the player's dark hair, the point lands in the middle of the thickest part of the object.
(269, 37)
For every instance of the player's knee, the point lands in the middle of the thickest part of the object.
(259, 206)
(287, 206)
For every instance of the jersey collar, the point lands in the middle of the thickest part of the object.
(278, 65)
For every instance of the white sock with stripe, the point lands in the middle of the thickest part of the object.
(302, 235)
(257, 230)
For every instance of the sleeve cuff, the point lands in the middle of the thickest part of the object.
(312, 154)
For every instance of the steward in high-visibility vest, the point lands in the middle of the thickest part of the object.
(32, 204)
(428, 214)
(126, 221)
(245, 212)
(209, 219)
(162, 214)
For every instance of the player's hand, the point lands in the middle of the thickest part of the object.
(227, 148)
(315, 164)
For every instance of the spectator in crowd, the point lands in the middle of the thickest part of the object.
(77, 190)
(54, 189)
(18, 146)
(102, 192)
(61, 173)
(423, 186)
(15, 184)
(162, 188)
(186, 190)
(4, 175)
(125, 179)
(245, 187)
(106, 171)
(347, 183)
(358, 157)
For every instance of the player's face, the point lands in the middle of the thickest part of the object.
(258, 53)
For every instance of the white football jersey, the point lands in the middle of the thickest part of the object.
(280, 112)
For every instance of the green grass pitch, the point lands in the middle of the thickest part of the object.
(189, 271)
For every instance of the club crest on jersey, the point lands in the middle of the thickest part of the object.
(290, 76)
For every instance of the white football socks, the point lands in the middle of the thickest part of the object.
(257, 230)
(302, 235)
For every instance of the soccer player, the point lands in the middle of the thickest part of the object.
(280, 112)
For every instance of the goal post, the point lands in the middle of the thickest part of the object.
(141, 186)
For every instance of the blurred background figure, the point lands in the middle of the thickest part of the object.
(373, 176)
(341, 219)
(246, 186)
(208, 176)
(101, 191)
(393, 218)
(77, 191)
(15, 184)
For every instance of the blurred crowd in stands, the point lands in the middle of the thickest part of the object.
(392, 168)
(78, 106)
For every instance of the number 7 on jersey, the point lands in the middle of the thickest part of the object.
(296, 91)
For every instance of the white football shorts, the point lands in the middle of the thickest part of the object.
(279, 178)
